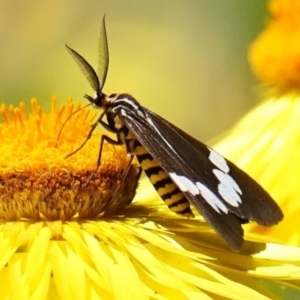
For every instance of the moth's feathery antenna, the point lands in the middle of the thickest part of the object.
(86, 69)
(103, 54)
(96, 81)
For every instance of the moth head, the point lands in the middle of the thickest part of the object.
(96, 100)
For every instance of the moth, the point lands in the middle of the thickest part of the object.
(183, 170)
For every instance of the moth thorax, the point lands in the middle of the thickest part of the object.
(118, 122)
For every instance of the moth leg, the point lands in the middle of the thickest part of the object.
(117, 142)
(93, 127)
(109, 140)
(105, 125)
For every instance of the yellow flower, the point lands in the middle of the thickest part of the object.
(265, 144)
(275, 55)
(53, 246)
(35, 173)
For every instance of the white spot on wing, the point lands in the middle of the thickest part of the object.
(184, 184)
(228, 188)
(123, 112)
(140, 114)
(218, 160)
(211, 198)
(150, 121)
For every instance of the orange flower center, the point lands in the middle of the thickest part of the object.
(39, 182)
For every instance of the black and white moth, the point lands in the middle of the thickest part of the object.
(183, 170)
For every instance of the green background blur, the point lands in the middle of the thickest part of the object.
(185, 60)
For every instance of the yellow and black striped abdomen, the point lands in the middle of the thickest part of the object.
(161, 181)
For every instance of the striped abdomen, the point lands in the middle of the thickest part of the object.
(161, 181)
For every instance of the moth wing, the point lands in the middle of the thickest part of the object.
(256, 203)
(174, 160)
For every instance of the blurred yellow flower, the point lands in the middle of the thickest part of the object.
(58, 242)
(265, 144)
(275, 55)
